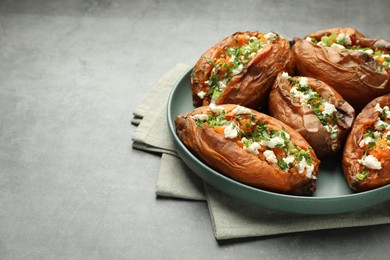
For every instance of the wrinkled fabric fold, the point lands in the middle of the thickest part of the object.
(231, 218)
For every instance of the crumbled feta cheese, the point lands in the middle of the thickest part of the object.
(344, 38)
(200, 117)
(252, 148)
(285, 134)
(365, 141)
(303, 81)
(222, 84)
(239, 110)
(302, 97)
(201, 94)
(294, 91)
(328, 109)
(368, 51)
(302, 166)
(288, 160)
(216, 109)
(232, 58)
(270, 36)
(320, 43)
(371, 162)
(285, 75)
(378, 108)
(381, 125)
(308, 39)
(377, 135)
(309, 172)
(238, 70)
(276, 141)
(381, 110)
(270, 156)
(337, 46)
(231, 131)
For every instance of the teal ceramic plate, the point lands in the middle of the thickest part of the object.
(332, 195)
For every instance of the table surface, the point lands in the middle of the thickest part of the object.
(72, 72)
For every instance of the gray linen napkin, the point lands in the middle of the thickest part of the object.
(231, 218)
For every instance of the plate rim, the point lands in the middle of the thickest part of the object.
(305, 200)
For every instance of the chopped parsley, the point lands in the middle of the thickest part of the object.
(257, 137)
(343, 41)
(234, 61)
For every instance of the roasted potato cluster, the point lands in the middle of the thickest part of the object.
(265, 111)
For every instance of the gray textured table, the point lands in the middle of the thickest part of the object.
(71, 72)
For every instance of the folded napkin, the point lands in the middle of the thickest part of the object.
(231, 218)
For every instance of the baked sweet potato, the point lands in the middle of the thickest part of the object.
(366, 157)
(314, 109)
(250, 147)
(355, 66)
(240, 69)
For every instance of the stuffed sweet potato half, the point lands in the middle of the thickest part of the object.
(250, 147)
(314, 109)
(366, 157)
(357, 67)
(240, 69)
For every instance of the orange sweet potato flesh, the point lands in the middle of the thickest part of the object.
(251, 87)
(352, 151)
(301, 118)
(351, 73)
(225, 156)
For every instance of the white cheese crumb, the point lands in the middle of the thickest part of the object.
(222, 84)
(239, 110)
(303, 81)
(381, 125)
(231, 131)
(337, 46)
(201, 94)
(365, 141)
(328, 109)
(238, 70)
(302, 166)
(377, 134)
(273, 142)
(371, 162)
(252, 148)
(308, 39)
(368, 51)
(378, 108)
(309, 172)
(216, 109)
(200, 117)
(288, 160)
(270, 156)
(270, 36)
(385, 109)
(285, 75)
(345, 38)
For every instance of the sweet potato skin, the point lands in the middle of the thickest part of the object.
(231, 160)
(352, 152)
(351, 73)
(251, 87)
(304, 120)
